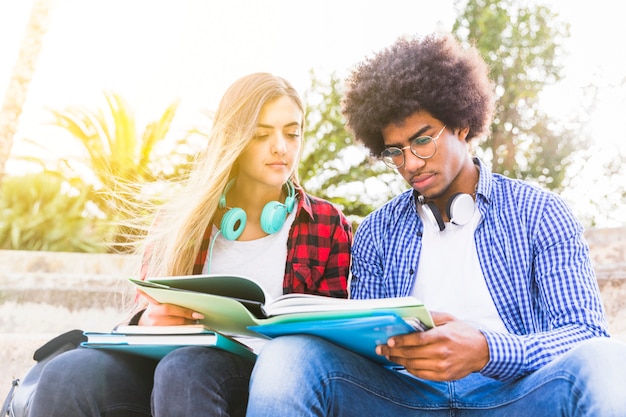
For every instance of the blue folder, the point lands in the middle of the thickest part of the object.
(360, 335)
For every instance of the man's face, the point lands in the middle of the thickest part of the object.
(432, 176)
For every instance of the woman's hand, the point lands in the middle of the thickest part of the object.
(157, 314)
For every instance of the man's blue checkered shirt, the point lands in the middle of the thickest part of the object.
(534, 259)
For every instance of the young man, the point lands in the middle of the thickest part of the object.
(520, 327)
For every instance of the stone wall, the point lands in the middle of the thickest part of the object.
(608, 253)
(46, 293)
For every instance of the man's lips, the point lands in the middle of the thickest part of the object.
(422, 180)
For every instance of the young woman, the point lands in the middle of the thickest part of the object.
(240, 212)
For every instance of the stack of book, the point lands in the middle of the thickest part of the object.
(237, 307)
(157, 341)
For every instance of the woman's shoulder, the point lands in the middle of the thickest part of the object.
(317, 207)
(315, 202)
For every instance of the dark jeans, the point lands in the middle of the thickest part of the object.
(190, 381)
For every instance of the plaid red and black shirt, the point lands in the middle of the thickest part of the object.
(318, 249)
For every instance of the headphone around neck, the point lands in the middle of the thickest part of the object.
(459, 209)
(273, 215)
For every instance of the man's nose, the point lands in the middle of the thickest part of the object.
(411, 162)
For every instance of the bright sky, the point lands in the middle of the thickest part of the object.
(155, 51)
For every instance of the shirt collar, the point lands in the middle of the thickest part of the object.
(303, 202)
(485, 181)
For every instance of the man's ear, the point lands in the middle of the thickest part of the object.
(463, 132)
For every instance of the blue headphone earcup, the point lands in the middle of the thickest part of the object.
(273, 217)
(233, 222)
(229, 185)
(290, 201)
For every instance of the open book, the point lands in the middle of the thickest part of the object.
(233, 304)
(157, 341)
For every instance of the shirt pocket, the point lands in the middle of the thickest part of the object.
(307, 278)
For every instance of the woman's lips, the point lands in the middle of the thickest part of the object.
(277, 165)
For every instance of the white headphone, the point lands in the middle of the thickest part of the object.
(460, 209)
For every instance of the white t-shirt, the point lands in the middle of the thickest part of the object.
(449, 278)
(262, 259)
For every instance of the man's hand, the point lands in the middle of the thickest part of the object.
(157, 314)
(449, 351)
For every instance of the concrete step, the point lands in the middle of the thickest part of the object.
(71, 291)
(67, 263)
(43, 294)
(26, 326)
(17, 356)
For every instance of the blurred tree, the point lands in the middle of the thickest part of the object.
(117, 153)
(23, 71)
(596, 183)
(45, 211)
(118, 157)
(333, 166)
(522, 45)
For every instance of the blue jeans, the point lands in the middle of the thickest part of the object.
(307, 376)
(190, 381)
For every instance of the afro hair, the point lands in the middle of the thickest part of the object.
(433, 74)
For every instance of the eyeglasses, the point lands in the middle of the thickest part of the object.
(423, 147)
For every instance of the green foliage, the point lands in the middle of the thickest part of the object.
(333, 166)
(522, 45)
(116, 151)
(119, 158)
(46, 212)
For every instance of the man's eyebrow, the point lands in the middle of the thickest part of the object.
(419, 133)
(413, 136)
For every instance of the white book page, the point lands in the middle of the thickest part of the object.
(301, 303)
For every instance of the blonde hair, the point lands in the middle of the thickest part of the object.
(175, 237)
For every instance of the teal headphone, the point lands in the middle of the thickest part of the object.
(273, 215)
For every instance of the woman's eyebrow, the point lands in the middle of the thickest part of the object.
(271, 127)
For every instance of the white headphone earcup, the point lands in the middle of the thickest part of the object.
(461, 209)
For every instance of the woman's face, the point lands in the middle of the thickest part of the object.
(272, 154)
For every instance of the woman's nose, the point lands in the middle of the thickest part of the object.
(279, 144)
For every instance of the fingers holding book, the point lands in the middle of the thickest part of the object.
(161, 314)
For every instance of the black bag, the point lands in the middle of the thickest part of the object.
(18, 400)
